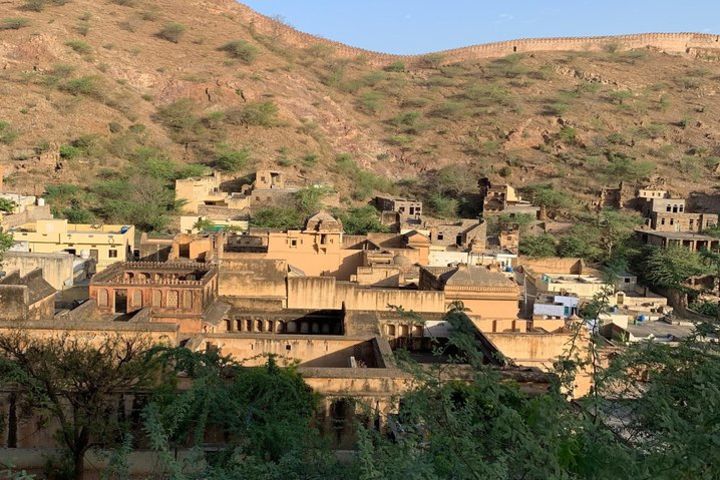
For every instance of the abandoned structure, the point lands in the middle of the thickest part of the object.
(503, 199)
(214, 196)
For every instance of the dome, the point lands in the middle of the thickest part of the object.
(402, 262)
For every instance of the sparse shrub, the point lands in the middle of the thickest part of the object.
(124, 3)
(172, 32)
(449, 110)
(83, 28)
(567, 135)
(79, 46)
(370, 102)
(115, 127)
(395, 67)
(86, 85)
(622, 167)
(7, 134)
(14, 23)
(68, 152)
(263, 114)
(149, 15)
(309, 160)
(690, 167)
(242, 50)
(651, 131)
(555, 108)
(179, 117)
(34, 5)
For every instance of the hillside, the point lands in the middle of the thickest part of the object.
(92, 88)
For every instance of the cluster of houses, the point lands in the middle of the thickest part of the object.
(337, 304)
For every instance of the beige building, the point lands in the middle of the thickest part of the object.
(216, 196)
(106, 244)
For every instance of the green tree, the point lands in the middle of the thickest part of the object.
(75, 382)
(361, 221)
(538, 245)
(265, 415)
(671, 268)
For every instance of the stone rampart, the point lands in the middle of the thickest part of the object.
(677, 43)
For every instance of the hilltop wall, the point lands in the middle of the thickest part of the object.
(675, 43)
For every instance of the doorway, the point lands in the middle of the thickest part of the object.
(121, 301)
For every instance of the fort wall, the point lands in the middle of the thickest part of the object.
(688, 43)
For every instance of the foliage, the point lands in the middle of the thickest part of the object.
(538, 245)
(172, 32)
(265, 415)
(364, 183)
(7, 134)
(79, 46)
(282, 218)
(6, 241)
(671, 267)
(546, 195)
(622, 167)
(308, 200)
(230, 160)
(14, 23)
(74, 382)
(6, 205)
(85, 85)
(261, 114)
(242, 50)
(361, 221)
(442, 206)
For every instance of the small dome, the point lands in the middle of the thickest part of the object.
(402, 262)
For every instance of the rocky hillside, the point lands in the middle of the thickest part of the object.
(89, 87)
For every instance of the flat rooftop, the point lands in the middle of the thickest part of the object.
(679, 235)
(659, 329)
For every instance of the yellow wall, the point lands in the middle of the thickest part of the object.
(50, 236)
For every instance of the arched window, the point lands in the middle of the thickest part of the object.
(187, 299)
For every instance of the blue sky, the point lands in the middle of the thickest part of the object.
(418, 26)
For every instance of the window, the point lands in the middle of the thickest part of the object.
(440, 236)
(323, 239)
(293, 243)
(112, 253)
(672, 221)
(662, 222)
(627, 280)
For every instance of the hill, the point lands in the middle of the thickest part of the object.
(95, 91)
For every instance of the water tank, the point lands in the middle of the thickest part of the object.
(85, 254)
(41, 202)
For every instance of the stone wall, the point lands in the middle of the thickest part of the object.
(677, 43)
(57, 268)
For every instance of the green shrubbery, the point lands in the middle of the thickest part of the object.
(7, 134)
(364, 183)
(262, 114)
(79, 46)
(242, 50)
(14, 23)
(172, 32)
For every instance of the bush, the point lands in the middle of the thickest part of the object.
(443, 207)
(86, 85)
(229, 160)
(7, 134)
(361, 221)
(364, 182)
(172, 32)
(34, 5)
(622, 167)
(79, 46)
(241, 50)
(7, 205)
(395, 67)
(263, 114)
(13, 23)
(69, 152)
(370, 102)
(449, 110)
(284, 218)
(538, 245)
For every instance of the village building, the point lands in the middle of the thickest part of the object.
(403, 206)
(26, 297)
(61, 270)
(215, 197)
(105, 244)
(695, 242)
(503, 199)
(181, 293)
